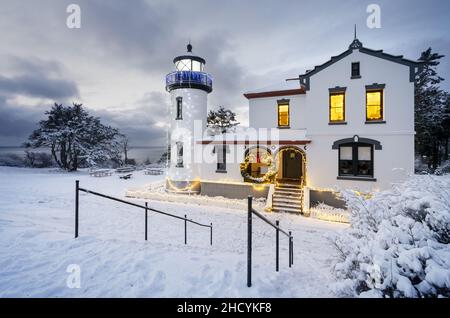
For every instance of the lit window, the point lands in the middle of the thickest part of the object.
(179, 108)
(183, 65)
(283, 115)
(374, 105)
(196, 66)
(337, 107)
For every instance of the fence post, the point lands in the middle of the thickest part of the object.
(249, 242)
(277, 257)
(77, 195)
(211, 235)
(185, 229)
(146, 220)
(290, 249)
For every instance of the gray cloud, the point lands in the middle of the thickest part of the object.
(37, 86)
(247, 44)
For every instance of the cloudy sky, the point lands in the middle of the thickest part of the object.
(116, 62)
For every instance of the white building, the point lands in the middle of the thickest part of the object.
(346, 124)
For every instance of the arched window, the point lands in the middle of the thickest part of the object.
(355, 158)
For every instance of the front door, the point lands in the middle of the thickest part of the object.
(292, 164)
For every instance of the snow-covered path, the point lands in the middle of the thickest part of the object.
(37, 245)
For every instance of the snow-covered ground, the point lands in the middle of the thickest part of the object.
(37, 244)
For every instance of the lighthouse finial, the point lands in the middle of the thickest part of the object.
(355, 33)
(189, 47)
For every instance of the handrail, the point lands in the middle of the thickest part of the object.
(141, 206)
(262, 217)
(145, 207)
(250, 212)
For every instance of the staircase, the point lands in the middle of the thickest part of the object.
(287, 197)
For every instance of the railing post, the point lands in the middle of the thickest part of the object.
(277, 244)
(185, 229)
(146, 219)
(249, 242)
(290, 249)
(211, 235)
(77, 195)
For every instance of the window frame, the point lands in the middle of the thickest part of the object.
(374, 90)
(180, 154)
(221, 166)
(341, 121)
(179, 108)
(284, 102)
(354, 76)
(355, 160)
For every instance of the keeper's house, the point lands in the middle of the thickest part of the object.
(346, 124)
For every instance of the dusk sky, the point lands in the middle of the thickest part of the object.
(116, 63)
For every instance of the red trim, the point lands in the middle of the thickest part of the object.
(295, 91)
(248, 142)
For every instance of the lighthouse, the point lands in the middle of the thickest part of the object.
(189, 86)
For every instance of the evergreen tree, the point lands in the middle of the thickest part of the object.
(76, 138)
(222, 120)
(429, 110)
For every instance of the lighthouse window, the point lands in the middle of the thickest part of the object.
(179, 154)
(179, 108)
(196, 66)
(184, 65)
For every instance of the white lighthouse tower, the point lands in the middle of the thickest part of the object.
(189, 87)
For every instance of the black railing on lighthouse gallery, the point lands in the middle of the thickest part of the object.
(145, 207)
(278, 230)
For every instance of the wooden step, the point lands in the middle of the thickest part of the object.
(287, 200)
(290, 210)
(288, 189)
(289, 185)
(286, 205)
(288, 193)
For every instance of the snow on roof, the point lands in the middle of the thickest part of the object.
(280, 86)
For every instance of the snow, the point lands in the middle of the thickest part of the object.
(398, 242)
(37, 244)
(279, 86)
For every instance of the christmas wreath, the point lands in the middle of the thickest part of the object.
(267, 159)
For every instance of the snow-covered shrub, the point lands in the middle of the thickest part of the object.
(11, 160)
(398, 242)
(38, 159)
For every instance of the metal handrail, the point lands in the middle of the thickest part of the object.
(262, 217)
(141, 206)
(145, 207)
(250, 212)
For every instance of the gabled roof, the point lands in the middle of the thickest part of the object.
(357, 45)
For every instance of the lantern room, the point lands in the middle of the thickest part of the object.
(189, 73)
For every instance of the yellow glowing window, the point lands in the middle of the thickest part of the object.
(283, 115)
(374, 107)
(337, 107)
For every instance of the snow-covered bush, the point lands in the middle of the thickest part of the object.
(11, 160)
(398, 242)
